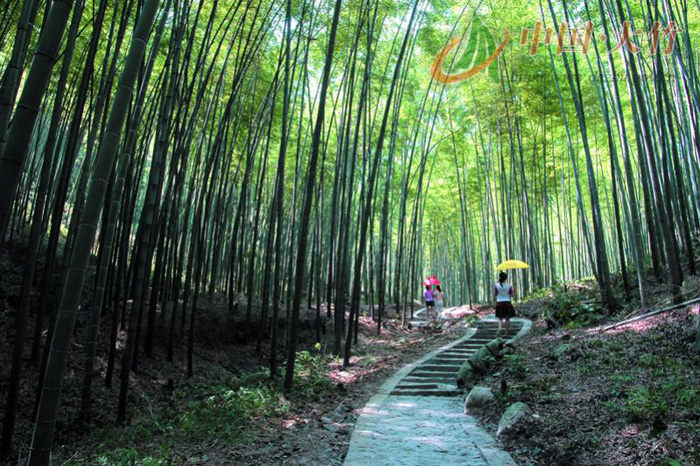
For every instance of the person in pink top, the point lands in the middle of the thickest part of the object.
(429, 301)
(503, 293)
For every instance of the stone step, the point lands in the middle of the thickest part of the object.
(432, 374)
(458, 356)
(443, 379)
(447, 360)
(419, 386)
(409, 392)
(442, 368)
(494, 323)
(494, 328)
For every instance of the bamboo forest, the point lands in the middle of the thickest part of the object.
(360, 232)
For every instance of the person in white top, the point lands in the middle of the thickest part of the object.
(439, 300)
(503, 293)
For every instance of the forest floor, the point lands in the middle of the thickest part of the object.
(629, 395)
(626, 396)
(228, 412)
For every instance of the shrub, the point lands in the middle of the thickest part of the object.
(572, 308)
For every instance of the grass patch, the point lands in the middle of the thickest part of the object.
(197, 416)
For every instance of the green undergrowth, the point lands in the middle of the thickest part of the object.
(642, 378)
(607, 385)
(570, 305)
(645, 378)
(194, 419)
(655, 384)
(573, 308)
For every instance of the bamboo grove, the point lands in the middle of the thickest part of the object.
(157, 157)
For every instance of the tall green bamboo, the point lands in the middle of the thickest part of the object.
(15, 149)
(40, 452)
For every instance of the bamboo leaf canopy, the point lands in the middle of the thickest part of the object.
(512, 264)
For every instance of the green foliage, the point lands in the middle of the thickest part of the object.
(224, 411)
(665, 389)
(516, 364)
(571, 308)
(201, 414)
(197, 415)
(310, 375)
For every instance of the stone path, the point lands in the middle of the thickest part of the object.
(417, 417)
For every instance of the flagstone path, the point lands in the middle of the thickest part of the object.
(417, 417)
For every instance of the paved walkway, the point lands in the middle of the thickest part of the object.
(417, 418)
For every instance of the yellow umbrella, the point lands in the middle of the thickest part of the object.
(512, 264)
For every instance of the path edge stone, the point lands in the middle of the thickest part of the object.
(485, 443)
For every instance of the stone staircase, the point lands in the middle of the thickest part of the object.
(438, 375)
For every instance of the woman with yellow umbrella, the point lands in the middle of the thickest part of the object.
(503, 293)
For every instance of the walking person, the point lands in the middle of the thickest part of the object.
(429, 301)
(439, 300)
(503, 293)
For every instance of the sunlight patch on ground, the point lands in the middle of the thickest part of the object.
(294, 422)
(643, 325)
(343, 377)
(404, 405)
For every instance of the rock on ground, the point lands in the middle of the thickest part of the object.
(481, 360)
(478, 398)
(514, 414)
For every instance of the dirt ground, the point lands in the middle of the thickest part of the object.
(626, 396)
(308, 432)
(319, 434)
(630, 395)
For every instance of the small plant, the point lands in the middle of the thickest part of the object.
(310, 374)
(646, 402)
(515, 364)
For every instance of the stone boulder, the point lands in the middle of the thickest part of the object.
(512, 416)
(478, 398)
(495, 347)
(481, 360)
(465, 374)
